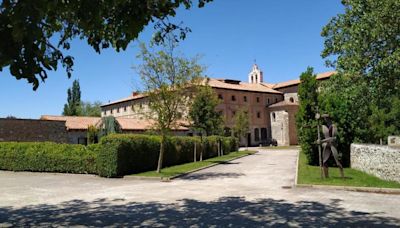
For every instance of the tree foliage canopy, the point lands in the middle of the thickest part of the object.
(203, 114)
(242, 124)
(365, 40)
(72, 107)
(35, 34)
(305, 119)
(167, 79)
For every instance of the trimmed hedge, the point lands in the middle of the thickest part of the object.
(48, 157)
(123, 154)
(116, 155)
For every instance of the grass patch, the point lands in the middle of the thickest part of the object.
(311, 175)
(184, 168)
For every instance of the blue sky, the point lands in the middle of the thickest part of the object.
(283, 36)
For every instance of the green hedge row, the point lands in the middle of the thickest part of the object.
(116, 155)
(123, 154)
(48, 157)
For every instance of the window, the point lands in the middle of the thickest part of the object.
(268, 101)
(273, 116)
(82, 140)
(117, 110)
(111, 111)
(276, 100)
(104, 112)
(256, 134)
(220, 97)
(263, 134)
(258, 99)
(124, 108)
(259, 115)
(233, 113)
(233, 98)
(221, 113)
(291, 100)
(245, 99)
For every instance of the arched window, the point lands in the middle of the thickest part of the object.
(256, 134)
(291, 100)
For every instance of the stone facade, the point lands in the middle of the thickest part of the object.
(377, 160)
(27, 130)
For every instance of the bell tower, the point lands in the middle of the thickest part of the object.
(256, 75)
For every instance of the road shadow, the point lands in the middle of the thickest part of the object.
(210, 175)
(225, 212)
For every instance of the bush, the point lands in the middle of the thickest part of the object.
(47, 157)
(123, 154)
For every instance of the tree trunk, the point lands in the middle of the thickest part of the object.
(195, 152)
(202, 148)
(219, 148)
(161, 156)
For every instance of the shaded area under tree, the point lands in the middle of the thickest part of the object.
(230, 211)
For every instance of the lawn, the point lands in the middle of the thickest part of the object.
(184, 168)
(311, 175)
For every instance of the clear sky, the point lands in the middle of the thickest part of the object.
(282, 36)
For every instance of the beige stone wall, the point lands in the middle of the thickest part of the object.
(280, 127)
(289, 123)
(26, 130)
(377, 160)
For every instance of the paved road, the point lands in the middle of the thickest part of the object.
(251, 191)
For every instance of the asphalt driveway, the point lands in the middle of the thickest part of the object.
(252, 191)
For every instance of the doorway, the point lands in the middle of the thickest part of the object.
(248, 139)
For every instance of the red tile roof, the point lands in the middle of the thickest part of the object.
(283, 103)
(74, 122)
(243, 86)
(83, 122)
(321, 76)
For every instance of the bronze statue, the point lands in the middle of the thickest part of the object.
(329, 145)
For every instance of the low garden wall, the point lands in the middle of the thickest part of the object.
(380, 161)
(115, 155)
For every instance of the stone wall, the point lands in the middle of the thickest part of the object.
(27, 130)
(280, 127)
(377, 160)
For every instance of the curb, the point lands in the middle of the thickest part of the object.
(168, 179)
(393, 191)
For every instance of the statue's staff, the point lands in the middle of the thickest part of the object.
(318, 116)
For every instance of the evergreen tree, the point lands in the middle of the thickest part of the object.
(305, 118)
(73, 105)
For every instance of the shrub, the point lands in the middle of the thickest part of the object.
(122, 154)
(47, 157)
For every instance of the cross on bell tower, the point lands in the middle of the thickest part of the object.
(256, 75)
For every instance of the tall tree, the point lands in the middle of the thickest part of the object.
(305, 118)
(34, 34)
(363, 44)
(73, 105)
(166, 79)
(242, 124)
(364, 41)
(205, 119)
